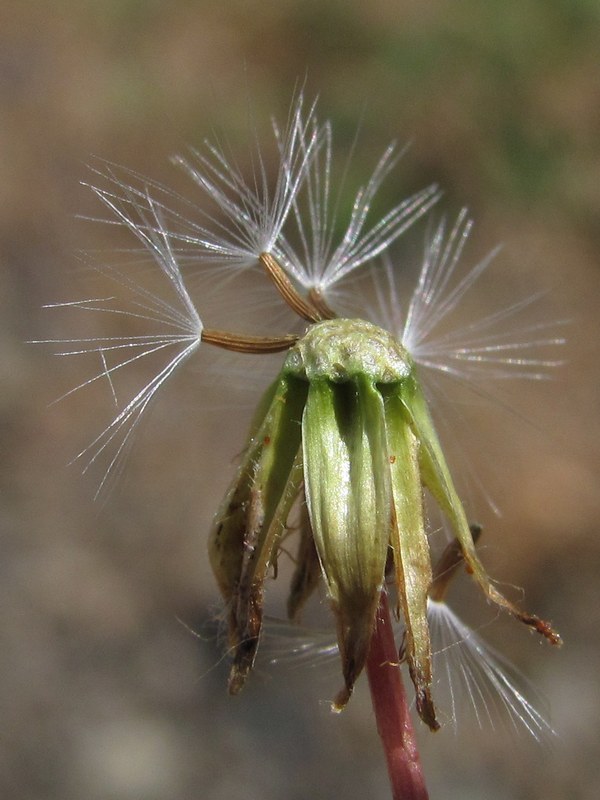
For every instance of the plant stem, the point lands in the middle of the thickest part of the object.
(392, 713)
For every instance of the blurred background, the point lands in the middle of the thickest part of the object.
(105, 694)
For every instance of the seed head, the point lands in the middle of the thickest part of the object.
(348, 423)
(345, 430)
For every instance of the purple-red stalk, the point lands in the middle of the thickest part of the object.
(392, 711)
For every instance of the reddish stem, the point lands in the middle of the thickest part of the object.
(392, 712)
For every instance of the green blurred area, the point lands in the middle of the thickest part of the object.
(103, 693)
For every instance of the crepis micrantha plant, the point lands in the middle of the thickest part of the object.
(347, 424)
(345, 429)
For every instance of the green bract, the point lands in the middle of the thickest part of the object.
(347, 423)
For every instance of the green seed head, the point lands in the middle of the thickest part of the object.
(342, 349)
(347, 425)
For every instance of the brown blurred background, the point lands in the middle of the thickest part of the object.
(104, 694)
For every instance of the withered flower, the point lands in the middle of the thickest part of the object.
(345, 430)
(346, 422)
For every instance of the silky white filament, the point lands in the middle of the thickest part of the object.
(180, 330)
(470, 678)
(320, 262)
(477, 679)
(502, 345)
